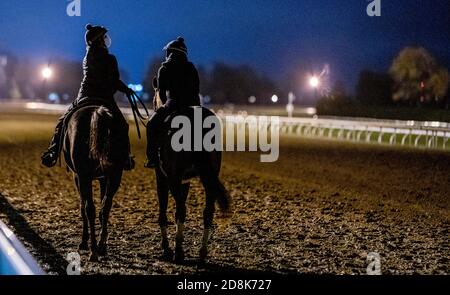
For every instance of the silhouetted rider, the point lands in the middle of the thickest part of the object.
(178, 85)
(101, 80)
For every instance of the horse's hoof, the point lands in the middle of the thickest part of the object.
(102, 250)
(167, 254)
(179, 255)
(93, 257)
(83, 246)
(203, 253)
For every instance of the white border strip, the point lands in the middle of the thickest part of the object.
(14, 254)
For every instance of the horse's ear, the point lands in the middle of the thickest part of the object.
(155, 83)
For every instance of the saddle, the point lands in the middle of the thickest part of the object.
(190, 113)
(83, 102)
(86, 102)
(166, 131)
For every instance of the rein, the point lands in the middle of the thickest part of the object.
(134, 99)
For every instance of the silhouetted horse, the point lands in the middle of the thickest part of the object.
(93, 150)
(174, 169)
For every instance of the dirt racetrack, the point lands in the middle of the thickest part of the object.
(320, 209)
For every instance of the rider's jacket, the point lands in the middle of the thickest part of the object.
(179, 79)
(101, 75)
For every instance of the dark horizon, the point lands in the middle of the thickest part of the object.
(276, 38)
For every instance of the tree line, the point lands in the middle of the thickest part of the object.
(223, 83)
(415, 79)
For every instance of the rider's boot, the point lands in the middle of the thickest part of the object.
(152, 161)
(152, 148)
(129, 162)
(49, 158)
(152, 154)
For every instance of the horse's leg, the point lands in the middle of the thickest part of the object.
(112, 186)
(180, 192)
(102, 182)
(86, 195)
(210, 185)
(163, 200)
(85, 236)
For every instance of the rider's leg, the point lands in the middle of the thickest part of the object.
(123, 129)
(50, 156)
(152, 133)
(129, 163)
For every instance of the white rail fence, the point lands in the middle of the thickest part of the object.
(431, 135)
(418, 134)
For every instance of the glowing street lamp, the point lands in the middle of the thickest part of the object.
(47, 73)
(314, 82)
(274, 98)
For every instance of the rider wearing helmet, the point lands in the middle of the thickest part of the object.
(178, 86)
(101, 80)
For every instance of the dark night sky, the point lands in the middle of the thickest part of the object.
(274, 36)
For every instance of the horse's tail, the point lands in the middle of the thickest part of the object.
(209, 164)
(217, 191)
(99, 136)
(223, 198)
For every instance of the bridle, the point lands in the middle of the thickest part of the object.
(134, 100)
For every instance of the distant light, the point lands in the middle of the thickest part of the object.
(136, 87)
(274, 98)
(53, 96)
(65, 96)
(311, 111)
(32, 105)
(47, 73)
(314, 82)
(252, 99)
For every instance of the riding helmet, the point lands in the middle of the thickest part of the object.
(93, 33)
(177, 45)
